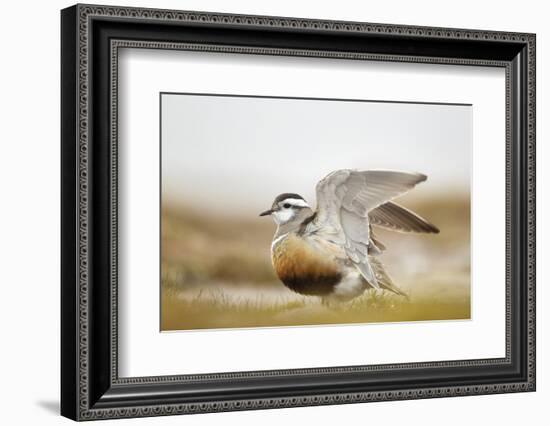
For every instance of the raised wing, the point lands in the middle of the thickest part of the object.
(344, 200)
(397, 218)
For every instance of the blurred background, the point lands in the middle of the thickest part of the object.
(225, 158)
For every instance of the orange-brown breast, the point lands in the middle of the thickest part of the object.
(303, 268)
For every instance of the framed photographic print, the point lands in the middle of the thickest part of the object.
(263, 212)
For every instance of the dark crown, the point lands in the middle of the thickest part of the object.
(287, 195)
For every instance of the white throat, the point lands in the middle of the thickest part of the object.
(283, 216)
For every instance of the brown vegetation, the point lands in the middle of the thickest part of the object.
(219, 274)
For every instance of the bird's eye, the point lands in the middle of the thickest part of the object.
(286, 206)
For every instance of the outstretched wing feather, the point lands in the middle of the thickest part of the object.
(397, 218)
(344, 200)
(369, 189)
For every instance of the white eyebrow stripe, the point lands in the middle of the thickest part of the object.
(295, 202)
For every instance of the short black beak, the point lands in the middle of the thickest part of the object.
(266, 213)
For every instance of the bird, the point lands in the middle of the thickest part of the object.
(332, 251)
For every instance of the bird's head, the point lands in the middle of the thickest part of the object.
(288, 208)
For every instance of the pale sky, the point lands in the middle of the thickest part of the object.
(238, 153)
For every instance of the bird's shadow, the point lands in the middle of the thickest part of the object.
(50, 406)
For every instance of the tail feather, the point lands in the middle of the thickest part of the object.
(384, 280)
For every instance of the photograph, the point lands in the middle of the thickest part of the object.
(285, 211)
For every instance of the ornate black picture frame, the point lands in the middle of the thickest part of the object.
(90, 38)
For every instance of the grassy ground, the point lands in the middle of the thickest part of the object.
(219, 275)
(221, 310)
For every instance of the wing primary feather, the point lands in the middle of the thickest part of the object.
(397, 218)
